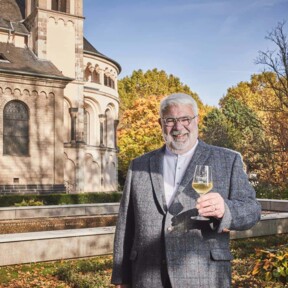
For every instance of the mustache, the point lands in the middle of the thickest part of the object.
(176, 133)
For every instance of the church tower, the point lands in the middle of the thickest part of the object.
(56, 28)
(69, 101)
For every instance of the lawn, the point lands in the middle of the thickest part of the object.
(95, 272)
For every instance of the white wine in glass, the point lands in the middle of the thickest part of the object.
(202, 182)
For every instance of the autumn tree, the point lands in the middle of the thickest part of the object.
(139, 131)
(140, 95)
(270, 160)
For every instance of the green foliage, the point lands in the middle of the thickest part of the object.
(152, 82)
(264, 149)
(60, 199)
(234, 126)
(272, 264)
(86, 273)
(268, 191)
(30, 202)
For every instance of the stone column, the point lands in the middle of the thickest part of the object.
(73, 113)
(102, 118)
(116, 122)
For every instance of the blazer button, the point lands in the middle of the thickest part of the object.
(170, 229)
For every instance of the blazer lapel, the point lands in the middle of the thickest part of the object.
(156, 171)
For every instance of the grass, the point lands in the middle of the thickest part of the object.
(96, 271)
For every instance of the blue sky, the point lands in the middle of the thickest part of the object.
(210, 45)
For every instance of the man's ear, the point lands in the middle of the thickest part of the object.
(160, 122)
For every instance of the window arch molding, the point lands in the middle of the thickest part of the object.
(16, 128)
(109, 126)
(92, 123)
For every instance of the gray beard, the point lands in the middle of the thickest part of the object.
(174, 145)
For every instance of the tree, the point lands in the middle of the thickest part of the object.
(277, 62)
(140, 95)
(139, 132)
(234, 126)
(270, 160)
(152, 82)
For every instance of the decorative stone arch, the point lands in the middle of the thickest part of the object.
(52, 19)
(67, 120)
(109, 126)
(8, 91)
(43, 94)
(92, 174)
(26, 93)
(69, 174)
(34, 93)
(61, 22)
(17, 92)
(91, 122)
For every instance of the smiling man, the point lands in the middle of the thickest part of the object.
(158, 243)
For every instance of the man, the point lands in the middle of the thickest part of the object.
(157, 241)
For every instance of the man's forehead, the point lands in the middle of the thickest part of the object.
(179, 108)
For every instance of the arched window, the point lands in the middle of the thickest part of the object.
(16, 129)
(59, 5)
(106, 79)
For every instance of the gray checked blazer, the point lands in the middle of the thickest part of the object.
(148, 235)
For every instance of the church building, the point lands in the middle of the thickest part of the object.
(58, 102)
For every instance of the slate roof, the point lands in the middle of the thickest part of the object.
(12, 10)
(23, 61)
(90, 49)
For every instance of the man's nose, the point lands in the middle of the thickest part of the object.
(178, 124)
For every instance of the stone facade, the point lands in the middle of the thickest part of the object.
(58, 102)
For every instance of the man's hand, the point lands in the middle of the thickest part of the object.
(122, 286)
(211, 205)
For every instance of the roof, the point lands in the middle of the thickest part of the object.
(14, 27)
(90, 49)
(23, 61)
(12, 10)
(12, 15)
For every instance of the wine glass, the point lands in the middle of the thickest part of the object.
(202, 183)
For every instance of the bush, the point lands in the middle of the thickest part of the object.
(266, 191)
(272, 265)
(30, 202)
(61, 199)
(87, 273)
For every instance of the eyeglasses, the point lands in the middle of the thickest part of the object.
(185, 120)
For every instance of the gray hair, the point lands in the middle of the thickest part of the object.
(178, 99)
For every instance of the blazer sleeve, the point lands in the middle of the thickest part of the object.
(124, 235)
(242, 210)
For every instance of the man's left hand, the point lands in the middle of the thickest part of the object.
(211, 205)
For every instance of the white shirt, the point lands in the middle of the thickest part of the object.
(174, 167)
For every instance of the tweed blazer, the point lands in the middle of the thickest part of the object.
(148, 235)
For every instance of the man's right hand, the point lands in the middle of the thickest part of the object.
(122, 286)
